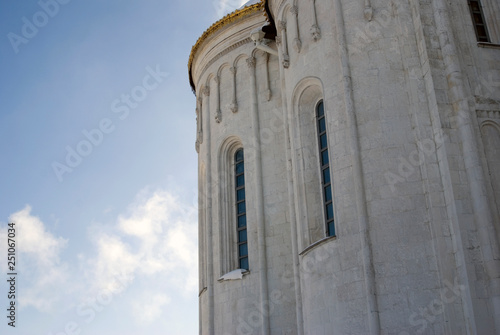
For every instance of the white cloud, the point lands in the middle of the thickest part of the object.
(153, 244)
(223, 7)
(156, 241)
(150, 307)
(37, 260)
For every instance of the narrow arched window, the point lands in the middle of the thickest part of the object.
(478, 20)
(241, 212)
(324, 162)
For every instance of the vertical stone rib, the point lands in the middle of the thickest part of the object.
(209, 237)
(268, 88)
(470, 149)
(291, 208)
(234, 103)
(218, 112)
(315, 31)
(368, 10)
(199, 126)
(285, 58)
(261, 225)
(362, 213)
(297, 43)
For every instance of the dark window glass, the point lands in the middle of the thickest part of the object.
(328, 193)
(240, 194)
(331, 228)
(329, 211)
(240, 181)
(322, 125)
(478, 20)
(324, 158)
(326, 176)
(241, 208)
(242, 221)
(239, 171)
(321, 109)
(244, 263)
(325, 169)
(240, 168)
(242, 236)
(239, 156)
(322, 141)
(243, 250)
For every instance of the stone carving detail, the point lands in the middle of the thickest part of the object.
(206, 90)
(218, 116)
(218, 113)
(234, 104)
(251, 61)
(368, 10)
(285, 57)
(268, 88)
(199, 124)
(297, 43)
(315, 31)
(278, 40)
(488, 114)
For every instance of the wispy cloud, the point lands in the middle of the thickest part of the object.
(37, 258)
(154, 243)
(223, 7)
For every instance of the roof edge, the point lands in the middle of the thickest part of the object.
(226, 20)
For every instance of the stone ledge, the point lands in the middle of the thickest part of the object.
(317, 243)
(488, 45)
(234, 275)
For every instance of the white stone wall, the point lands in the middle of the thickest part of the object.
(413, 119)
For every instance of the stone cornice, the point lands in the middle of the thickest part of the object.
(488, 114)
(224, 52)
(226, 20)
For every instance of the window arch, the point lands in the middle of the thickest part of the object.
(324, 163)
(241, 213)
(478, 20)
(309, 150)
(231, 202)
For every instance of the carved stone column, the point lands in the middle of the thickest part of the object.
(259, 206)
(368, 10)
(199, 123)
(283, 40)
(234, 103)
(315, 31)
(297, 44)
(268, 88)
(218, 112)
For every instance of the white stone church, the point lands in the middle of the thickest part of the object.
(349, 167)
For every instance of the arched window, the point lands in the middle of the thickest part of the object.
(478, 20)
(241, 212)
(324, 162)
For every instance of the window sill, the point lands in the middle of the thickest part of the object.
(488, 45)
(234, 275)
(317, 243)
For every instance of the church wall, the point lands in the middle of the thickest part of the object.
(473, 223)
(434, 256)
(391, 128)
(236, 305)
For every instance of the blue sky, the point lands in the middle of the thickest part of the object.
(98, 169)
